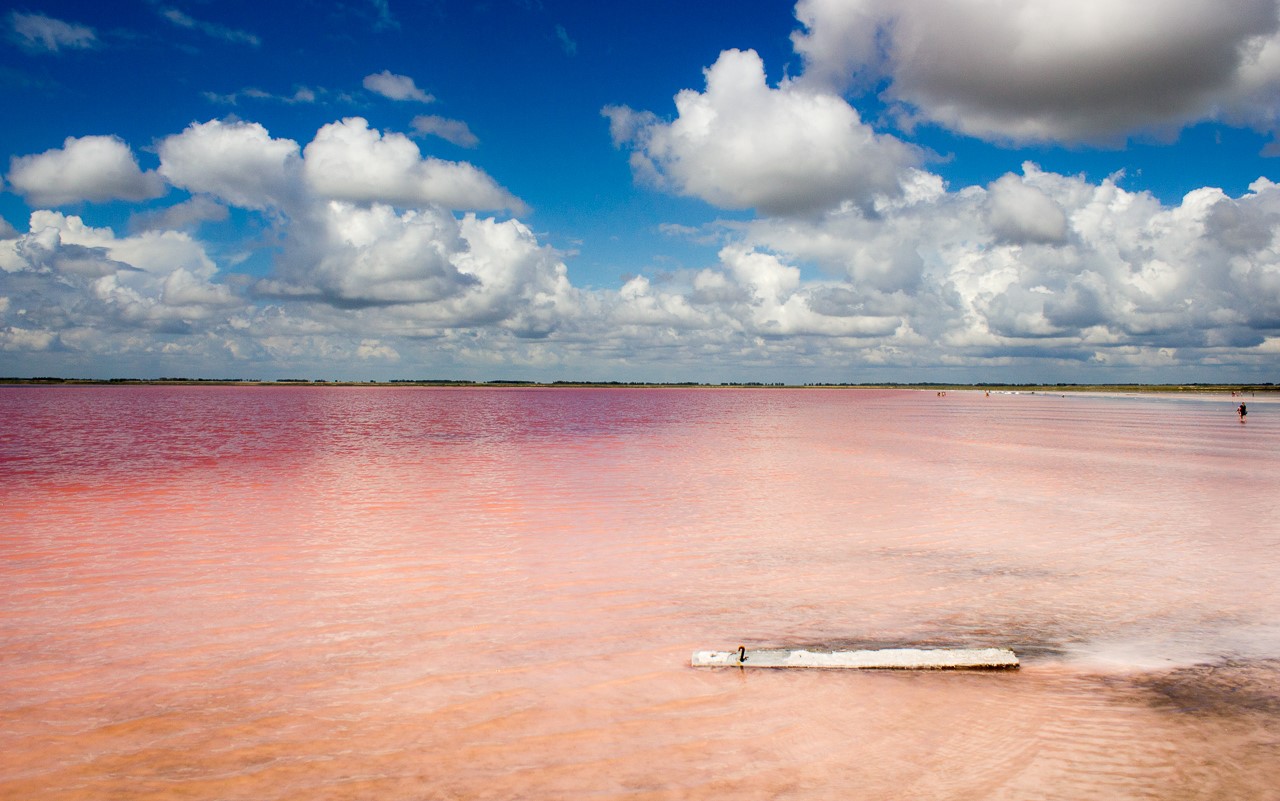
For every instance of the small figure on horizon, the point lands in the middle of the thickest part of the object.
(1242, 411)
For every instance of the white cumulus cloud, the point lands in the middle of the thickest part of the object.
(241, 164)
(374, 349)
(88, 168)
(238, 162)
(347, 160)
(373, 257)
(1019, 212)
(1052, 70)
(353, 256)
(742, 144)
(65, 277)
(426, 267)
(1046, 261)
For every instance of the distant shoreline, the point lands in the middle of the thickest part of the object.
(444, 383)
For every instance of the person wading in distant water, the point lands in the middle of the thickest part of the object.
(1240, 410)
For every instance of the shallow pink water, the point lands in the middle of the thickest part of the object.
(403, 593)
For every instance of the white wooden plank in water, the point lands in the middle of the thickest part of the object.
(887, 658)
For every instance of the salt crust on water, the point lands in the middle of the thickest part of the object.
(890, 658)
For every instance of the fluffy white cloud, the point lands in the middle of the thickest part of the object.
(1042, 259)
(1035, 265)
(1034, 70)
(935, 278)
(13, 338)
(241, 164)
(395, 87)
(347, 160)
(157, 253)
(352, 256)
(782, 307)
(752, 307)
(428, 267)
(374, 349)
(238, 162)
(523, 286)
(1020, 213)
(344, 248)
(92, 168)
(39, 32)
(742, 144)
(65, 277)
(371, 269)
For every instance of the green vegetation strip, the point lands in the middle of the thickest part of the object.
(431, 382)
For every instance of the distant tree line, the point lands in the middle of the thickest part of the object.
(1268, 386)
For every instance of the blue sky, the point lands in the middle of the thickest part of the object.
(833, 190)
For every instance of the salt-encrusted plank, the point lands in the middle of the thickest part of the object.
(886, 658)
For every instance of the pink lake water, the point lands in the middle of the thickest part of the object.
(407, 593)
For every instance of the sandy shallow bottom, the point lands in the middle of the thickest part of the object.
(238, 593)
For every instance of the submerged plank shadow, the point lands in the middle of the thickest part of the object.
(883, 659)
